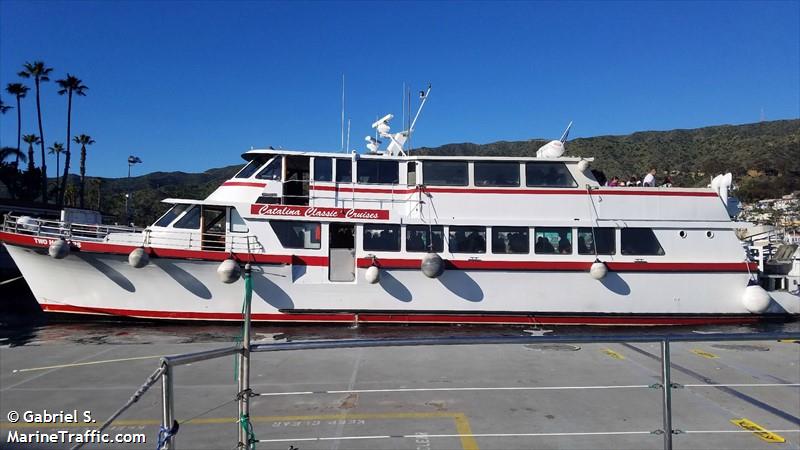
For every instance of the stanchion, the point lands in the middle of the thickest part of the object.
(667, 387)
(245, 428)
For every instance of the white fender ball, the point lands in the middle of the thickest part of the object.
(229, 271)
(138, 258)
(583, 165)
(432, 265)
(599, 270)
(372, 275)
(756, 299)
(59, 249)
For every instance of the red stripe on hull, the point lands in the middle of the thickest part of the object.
(521, 318)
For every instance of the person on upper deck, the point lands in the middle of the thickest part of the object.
(650, 179)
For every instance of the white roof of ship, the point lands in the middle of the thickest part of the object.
(249, 155)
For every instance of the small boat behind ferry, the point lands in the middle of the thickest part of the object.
(385, 236)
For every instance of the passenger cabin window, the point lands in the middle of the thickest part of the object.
(411, 174)
(237, 223)
(445, 173)
(550, 174)
(496, 173)
(510, 240)
(272, 171)
(190, 220)
(251, 167)
(296, 234)
(554, 240)
(377, 171)
(382, 238)
(467, 239)
(601, 239)
(423, 238)
(323, 169)
(344, 170)
(640, 241)
(171, 215)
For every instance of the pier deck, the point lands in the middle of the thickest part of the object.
(407, 398)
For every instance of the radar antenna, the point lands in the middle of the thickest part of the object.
(397, 140)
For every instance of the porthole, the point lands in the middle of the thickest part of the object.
(710, 234)
(682, 234)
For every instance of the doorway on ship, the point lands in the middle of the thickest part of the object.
(295, 184)
(213, 228)
(342, 252)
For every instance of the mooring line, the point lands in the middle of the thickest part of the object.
(89, 363)
(402, 390)
(11, 280)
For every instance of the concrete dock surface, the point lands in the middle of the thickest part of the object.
(534, 396)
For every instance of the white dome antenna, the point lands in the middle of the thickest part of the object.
(554, 149)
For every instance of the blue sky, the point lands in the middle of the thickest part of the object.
(190, 85)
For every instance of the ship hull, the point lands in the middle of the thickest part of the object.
(189, 289)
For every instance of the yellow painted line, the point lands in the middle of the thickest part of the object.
(758, 430)
(613, 354)
(704, 353)
(88, 363)
(789, 341)
(468, 441)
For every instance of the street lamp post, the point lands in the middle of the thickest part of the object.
(131, 161)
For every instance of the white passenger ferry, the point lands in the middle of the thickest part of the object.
(390, 237)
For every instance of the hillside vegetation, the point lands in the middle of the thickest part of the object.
(763, 157)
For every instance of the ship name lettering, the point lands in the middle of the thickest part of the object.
(355, 214)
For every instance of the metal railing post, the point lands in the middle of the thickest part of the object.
(168, 408)
(244, 366)
(667, 390)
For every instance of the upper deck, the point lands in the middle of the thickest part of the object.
(452, 189)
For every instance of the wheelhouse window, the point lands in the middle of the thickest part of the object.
(250, 168)
(344, 170)
(553, 240)
(548, 174)
(640, 241)
(601, 241)
(296, 234)
(273, 170)
(423, 238)
(510, 240)
(323, 169)
(496, 173)
(467, 239)
(190, 220)
(171, 215)
(377, 172)
(445, 173)
(382, 238)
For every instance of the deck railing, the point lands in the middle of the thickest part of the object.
(132, 236)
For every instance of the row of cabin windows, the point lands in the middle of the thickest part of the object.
(213, 219)
(435, 173)
(473, 239)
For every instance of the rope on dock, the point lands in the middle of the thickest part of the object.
(151, 380)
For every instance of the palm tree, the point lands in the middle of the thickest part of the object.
(57, 149)
(31, 140)
(39, 72)
(5, 152)
(70, 85)
(18, 90)
(84, 140)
